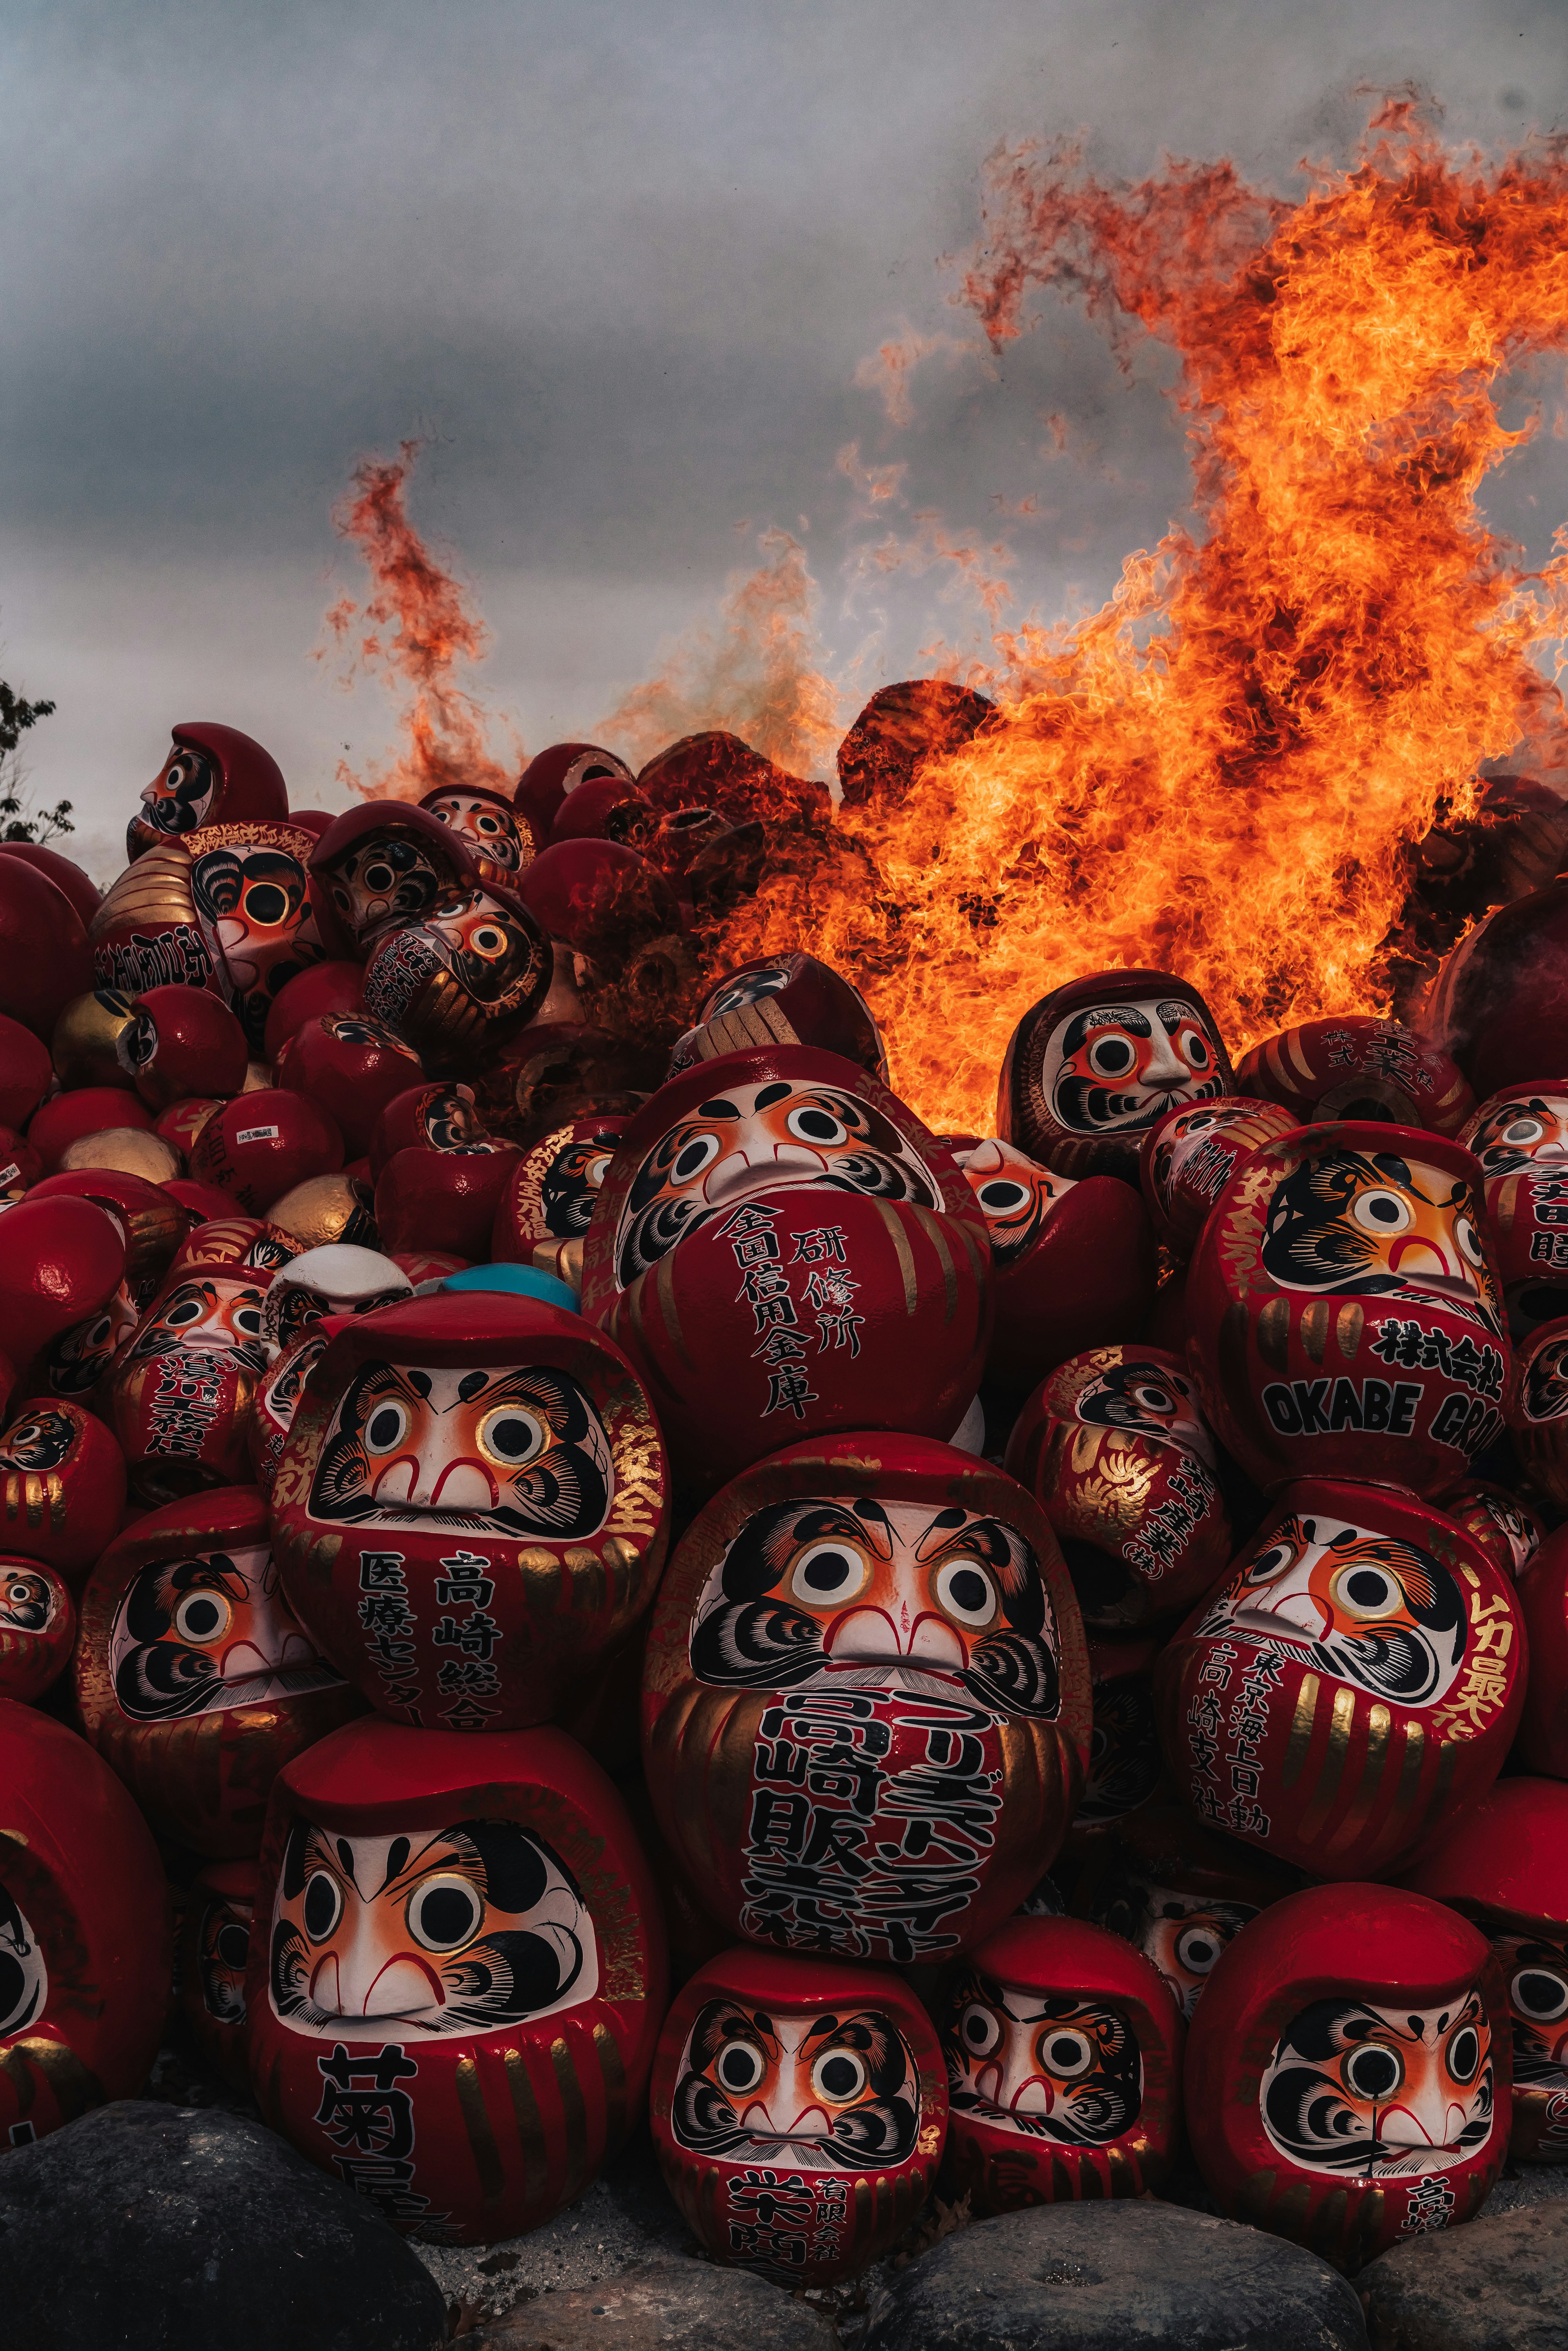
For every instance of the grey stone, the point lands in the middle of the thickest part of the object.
(1134, 2276)
(143, 2227)
(689, 2302)
(626, 2218)
(1497, 2285)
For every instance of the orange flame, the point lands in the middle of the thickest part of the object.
(1222, 771)
(435, 630)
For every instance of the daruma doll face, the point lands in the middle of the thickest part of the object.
(902, 1608)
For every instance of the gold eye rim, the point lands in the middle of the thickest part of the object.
(203, 1596)
(543, 1438)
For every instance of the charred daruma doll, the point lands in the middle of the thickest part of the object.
(1344, 1312)
(1117, 1454)
(1177, 1893)
(472, 1508)
(1504, 1866)
(84, 1931)
(193, 1676)
(865, 1705)
(1355, 1682)
(1093, 1065)
(1520, 1139)
(788, 999)
(1347, 2075)
(1064, 2062)
(797, 2107)
(214, 1952)
(459, 981)
(457, 1973)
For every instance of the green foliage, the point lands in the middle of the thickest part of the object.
(19, 820)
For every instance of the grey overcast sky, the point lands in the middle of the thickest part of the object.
(621, 261)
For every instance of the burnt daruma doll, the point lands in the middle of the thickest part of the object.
(457, 1974)
(472, 1508)
(1347, 2075)
(865, 1705)
(1177, 1893)
(193, 1676)
(38, 1628)
(180, 1390)
(788, 999)
(1116, 1452)
(1343, 1311)
(1093, 1065)
(1063, 2068)
(1354, 1682)
(798, 2109)
(1504, 1866)
(215, 1951)
(757, 1122)
(84, 1931)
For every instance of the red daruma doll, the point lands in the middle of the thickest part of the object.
(84, 1932)
(1347, 2071)
(1064, 2068)
(866, 1707)
(1356, 1681)
(798, 2109)
(1344, 1311)
(472, 1506)
(1504, 1866)
(457, 1973)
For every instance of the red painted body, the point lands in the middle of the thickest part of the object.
(797, 2107)
(864, 1728)
(1344, 1310)
(1064, 2064)
(1093, 1065)
(352, 1067)
(1353, 1684)
(460, 2134)
(1355, 1066)
(1343, 1951)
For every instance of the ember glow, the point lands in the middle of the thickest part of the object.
(1222, 771)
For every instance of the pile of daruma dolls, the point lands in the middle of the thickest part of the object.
(1086, 1593)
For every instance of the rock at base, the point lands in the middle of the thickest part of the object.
(689, 2302)
(143, 2226)
(1499, 2284)
(1135, 2276)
